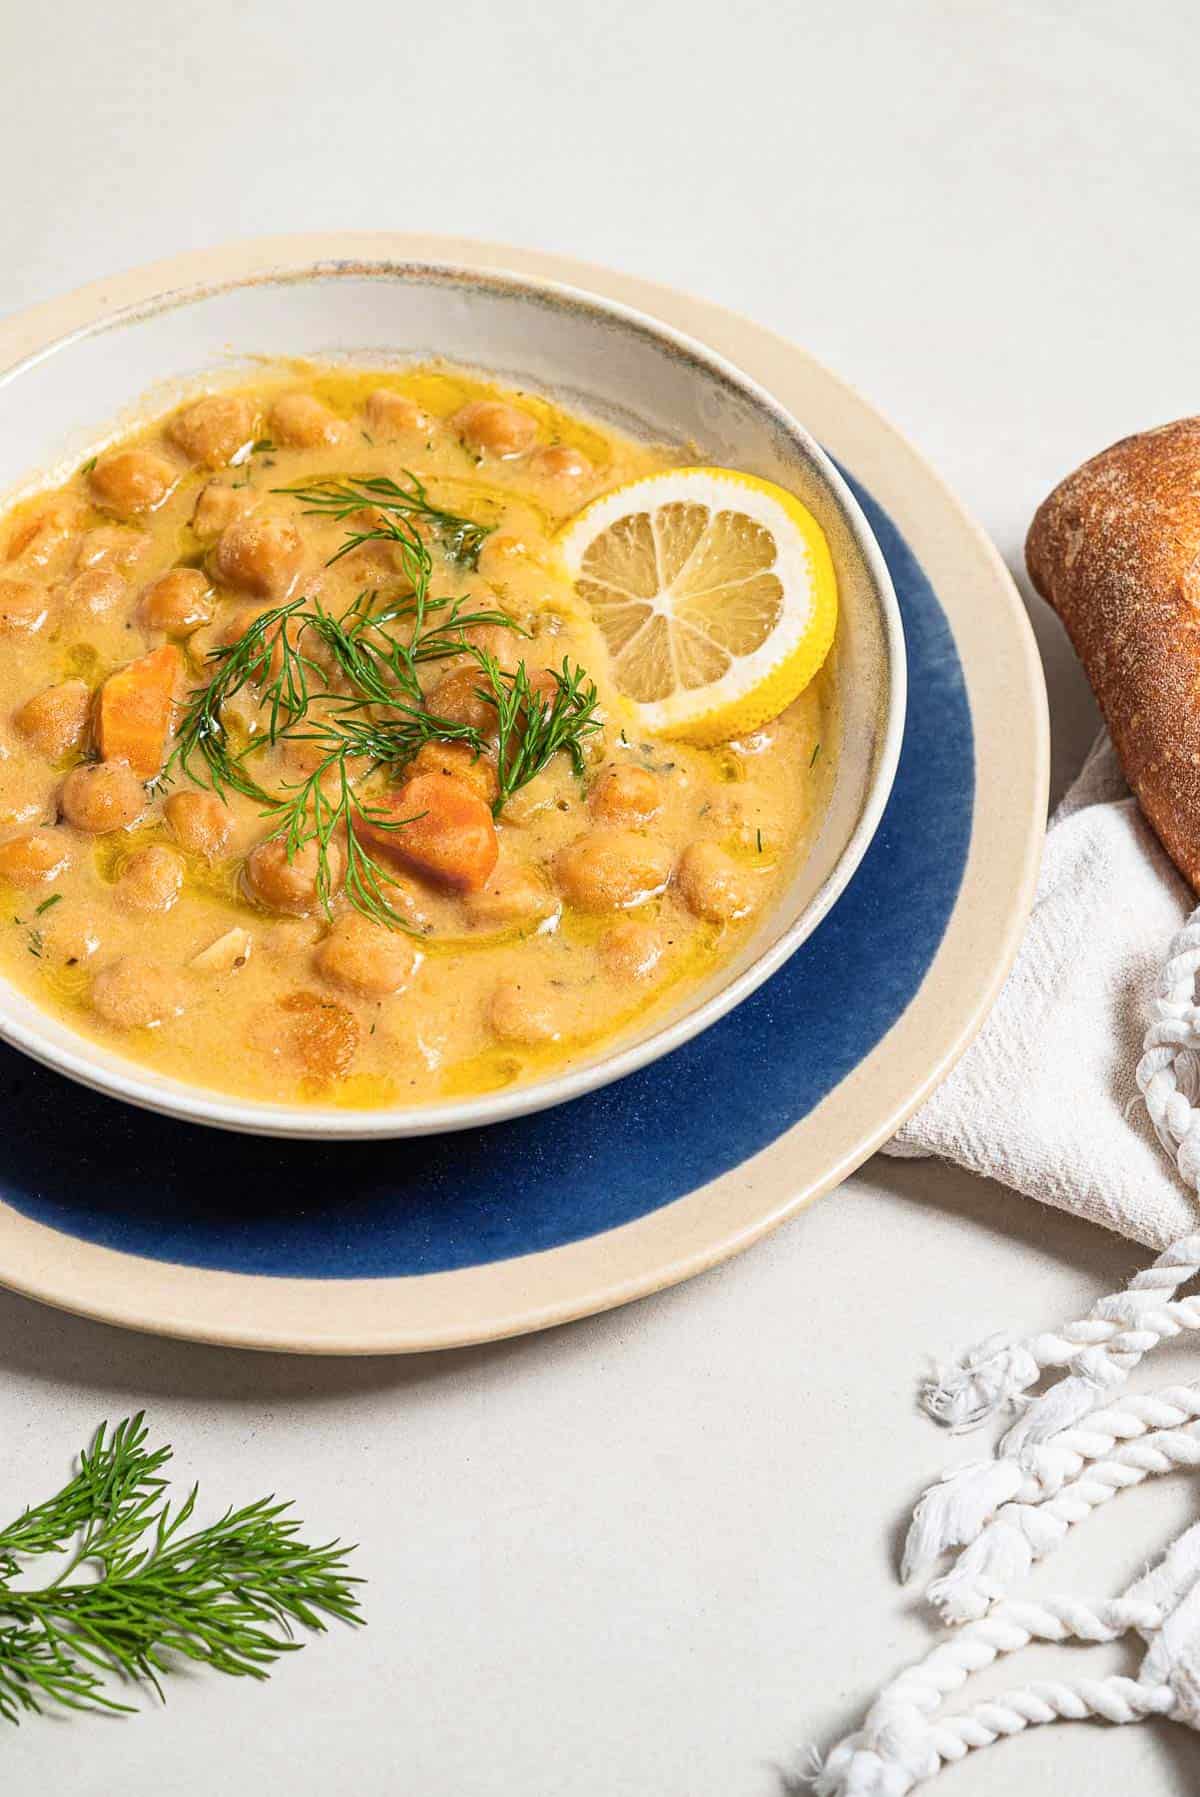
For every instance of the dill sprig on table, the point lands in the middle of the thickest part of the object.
(140, 1590)
(372, 714)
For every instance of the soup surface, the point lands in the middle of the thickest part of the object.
(315, 781)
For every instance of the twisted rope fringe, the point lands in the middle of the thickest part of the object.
(1015, 1511)
(1060, 1460)
(1101, 1350)
(902, 1742)
(1022, 1533)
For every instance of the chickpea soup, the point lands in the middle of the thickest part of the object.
(320, 778)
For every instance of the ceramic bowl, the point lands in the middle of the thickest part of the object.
(594, 356)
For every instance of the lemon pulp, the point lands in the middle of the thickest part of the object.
(714, 592)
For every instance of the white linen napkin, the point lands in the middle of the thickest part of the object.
(1045, 1099)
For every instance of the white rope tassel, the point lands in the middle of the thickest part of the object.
(903, 1741)
(1082, 1470)
(1100, 1350)
(978, 1498)
(979, 1381)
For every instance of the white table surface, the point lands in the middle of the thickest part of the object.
(649, 1555)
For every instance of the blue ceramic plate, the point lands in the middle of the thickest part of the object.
(359, 1247)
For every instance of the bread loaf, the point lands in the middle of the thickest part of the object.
(1115, 550)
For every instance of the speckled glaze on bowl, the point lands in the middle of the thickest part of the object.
(60, 402)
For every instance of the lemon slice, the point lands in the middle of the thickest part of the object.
(714, 592)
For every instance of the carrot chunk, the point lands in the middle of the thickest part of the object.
(134, 716)
(448, 836)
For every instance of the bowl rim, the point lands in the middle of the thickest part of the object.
(214, 1109)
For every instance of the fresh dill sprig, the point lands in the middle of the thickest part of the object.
(140, 1590)
(364, 668)
(341, 497)
(531, 726)
(272, 640)
(379, 666)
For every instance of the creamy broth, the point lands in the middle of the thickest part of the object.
(152, 915)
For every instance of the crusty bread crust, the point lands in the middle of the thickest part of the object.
(1115, 550)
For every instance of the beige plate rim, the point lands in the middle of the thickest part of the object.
(1009, 715)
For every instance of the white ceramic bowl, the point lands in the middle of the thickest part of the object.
(59, 402)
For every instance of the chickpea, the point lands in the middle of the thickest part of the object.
(72, 936)
(626, 795)
(150, 881)
(177, 603)
(302, 759)
(500, 554)
(504, 645)
(200, 822)
(130, 481)
(35, 859)
(311, 1033)
(612, 870)
(136, 994)
(632, 949)
(102, 796)
(96, 592)
(409, 899)
(543, 684)
(219, 506)
(495, 428)
(392, 415)
(713, 885)
(561, 465)
(55, 721)
(233, 623)
(367, 958)
(24, 607)
(260, 554)
(42, 539)
(302, 422)
(526, 1012)
(245, 710)
(111, 546)
(214, 429)
(461, 763)
(460, 698)
(537, 796)
(291, 886)
(515, 893)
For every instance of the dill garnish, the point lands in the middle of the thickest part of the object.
(815, 753)
(350, 687)
(398, 506)
(152, 1592)
(533, 727)
(46, 904)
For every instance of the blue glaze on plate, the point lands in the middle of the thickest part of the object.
(127, 1179)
